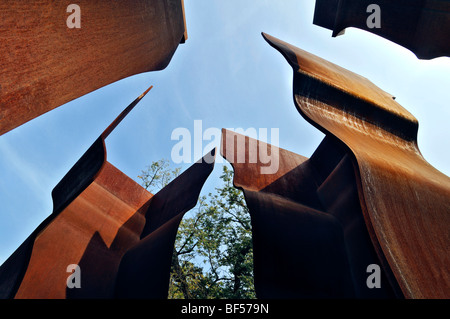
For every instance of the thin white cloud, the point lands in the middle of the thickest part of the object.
(30, 175)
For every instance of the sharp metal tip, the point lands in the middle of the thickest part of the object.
(124, 113)
(146, 91)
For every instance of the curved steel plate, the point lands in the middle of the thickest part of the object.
(305, 217)
(145, 268)
(98, 213)
(418, 25)
(406, 201)
(45, 64)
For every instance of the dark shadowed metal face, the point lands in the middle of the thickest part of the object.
(405, 201)
(97, 215)
(145, 269)
(418, 25)
(100, 214)
(309, 235)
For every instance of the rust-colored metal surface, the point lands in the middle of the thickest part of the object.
(98, 213)
(405, 201)
(145, 269)
(93, 232)
(45, 64)
(309, 235)
(101, 215)
(418, 25)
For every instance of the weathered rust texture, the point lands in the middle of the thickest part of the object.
(98, 213)
(93, 232)
(44, 64)
(418, 25)
(309, 235)
(145, 269)
(405, 201)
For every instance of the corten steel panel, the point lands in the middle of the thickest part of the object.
(93, 232)
(405, 201)
(101, 215)
(144, 270)
(44, 64)
(98, 213)
(418, 25)
(309, 235)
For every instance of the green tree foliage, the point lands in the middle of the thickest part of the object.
(213, 256)
(158, 175)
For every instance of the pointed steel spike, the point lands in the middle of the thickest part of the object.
(124, 113)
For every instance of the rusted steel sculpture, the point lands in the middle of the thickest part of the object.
(37, 269)
(45, 64)
(145, 269)
(99, 214)
(419, 25)
(309, 235)
(405, 201)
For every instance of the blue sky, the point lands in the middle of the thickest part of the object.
(225, 75)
